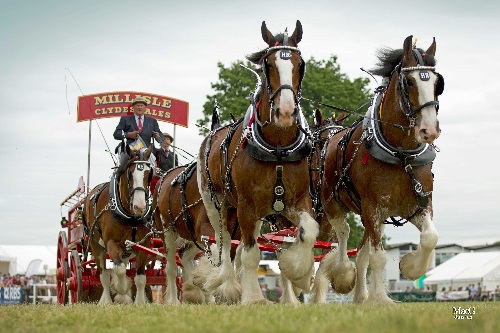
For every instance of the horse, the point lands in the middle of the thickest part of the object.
(181, 217)
(259, 167)
(116, 212)
(381, 168)
(179, 212)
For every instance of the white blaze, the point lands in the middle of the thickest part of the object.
(286, 102)
(428, 114)
(139, 197)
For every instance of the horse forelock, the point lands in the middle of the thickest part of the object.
(389, 58)
(257, 57)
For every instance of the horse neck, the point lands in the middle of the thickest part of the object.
(275, 135)
(391, 113)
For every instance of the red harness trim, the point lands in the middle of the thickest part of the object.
(365, 158)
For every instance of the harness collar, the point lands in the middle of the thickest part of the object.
(255, 143)
(116, 206)
(259, 149)
(379, 148)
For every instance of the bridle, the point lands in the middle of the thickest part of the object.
(408, 109)
(140, 165)
(285, 54)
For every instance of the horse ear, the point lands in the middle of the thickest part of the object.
(127, 149)
(407, 51)
(432, 49)
(318, 117)
(266, 34)
(297, 34)
(148, 152)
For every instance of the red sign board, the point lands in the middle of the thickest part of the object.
(117, 104)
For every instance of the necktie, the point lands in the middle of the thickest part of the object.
(166, 152)
(139, 125)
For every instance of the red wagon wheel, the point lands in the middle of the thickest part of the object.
(62, 268)
(75, 277)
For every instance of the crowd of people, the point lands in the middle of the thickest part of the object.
(476, 293)
(27, 283)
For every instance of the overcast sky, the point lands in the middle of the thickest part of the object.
(172, 48)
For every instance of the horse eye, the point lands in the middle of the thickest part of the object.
(409, 83)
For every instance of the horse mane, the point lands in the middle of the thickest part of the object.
(389, 58)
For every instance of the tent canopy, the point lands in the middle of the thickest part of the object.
(22, 255)
(470, 266)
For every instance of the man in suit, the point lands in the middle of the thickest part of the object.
(165, 158)
(131, 127)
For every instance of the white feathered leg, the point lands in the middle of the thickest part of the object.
(414, 264)
(297, 262)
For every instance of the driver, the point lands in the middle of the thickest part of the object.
(138, 125)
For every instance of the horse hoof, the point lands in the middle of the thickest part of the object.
(261, 301)
(408, 268)
(192, 294)
(343, 282)
(228, 293)
(379, 300)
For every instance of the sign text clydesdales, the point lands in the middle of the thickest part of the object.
(117, 104)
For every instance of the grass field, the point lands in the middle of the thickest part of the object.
(348, 318)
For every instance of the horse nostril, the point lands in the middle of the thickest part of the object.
(425, 131)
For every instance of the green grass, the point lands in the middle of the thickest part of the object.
(348, 318)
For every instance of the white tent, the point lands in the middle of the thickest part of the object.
(7, 263)
(23, 255)
(465, 269)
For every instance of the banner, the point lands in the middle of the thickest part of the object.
(414, 296)
(119, 103)
(11, 295)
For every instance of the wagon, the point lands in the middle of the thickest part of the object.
(77, 278)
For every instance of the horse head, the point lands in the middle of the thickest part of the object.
(134, 182)
(420, 85)
(283, 68)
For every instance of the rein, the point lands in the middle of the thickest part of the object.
(355, 113)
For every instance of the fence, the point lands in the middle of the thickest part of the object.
(43, 293)
(37, 293)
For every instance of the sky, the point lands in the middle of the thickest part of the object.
(54, 51)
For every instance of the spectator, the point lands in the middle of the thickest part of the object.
(445, 295)
(484, 295)
(495, 294)
(473, 292)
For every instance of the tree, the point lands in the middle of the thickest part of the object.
(232, 92)
(323, 82)
(357, 230)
